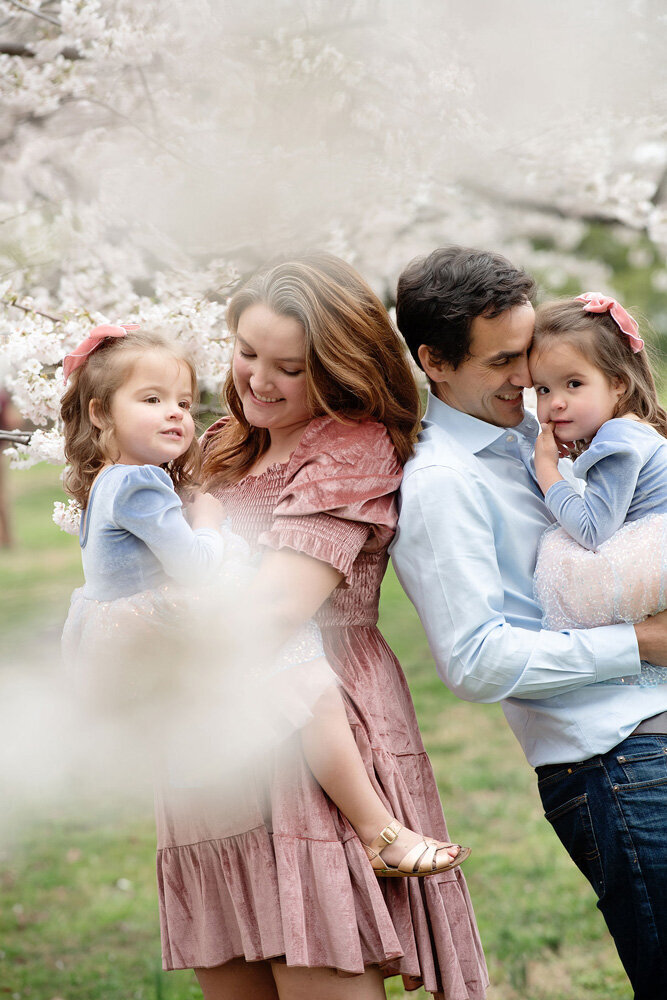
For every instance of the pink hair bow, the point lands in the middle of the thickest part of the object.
(597, 303)
(91, 343)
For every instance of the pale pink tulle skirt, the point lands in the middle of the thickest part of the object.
(166, 670)
(624, 580)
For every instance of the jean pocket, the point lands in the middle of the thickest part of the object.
(647, 766)
(574, 828)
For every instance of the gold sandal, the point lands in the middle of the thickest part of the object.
(420, 860)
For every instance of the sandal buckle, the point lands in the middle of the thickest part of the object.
(389, 834)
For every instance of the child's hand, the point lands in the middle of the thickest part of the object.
(204, 511)
(547, 453)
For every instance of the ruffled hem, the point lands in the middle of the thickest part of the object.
(260, 896)
(302, 887)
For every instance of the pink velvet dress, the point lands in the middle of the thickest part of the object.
(270, 869)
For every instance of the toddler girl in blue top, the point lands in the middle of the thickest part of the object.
(596, 399)
(129, 439)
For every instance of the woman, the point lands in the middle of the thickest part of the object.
(272, 896)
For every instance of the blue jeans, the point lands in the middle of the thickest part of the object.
(610, 813)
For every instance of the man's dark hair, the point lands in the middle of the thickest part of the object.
(439, 296)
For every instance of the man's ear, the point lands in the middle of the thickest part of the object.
(93, 414)
(437, 371)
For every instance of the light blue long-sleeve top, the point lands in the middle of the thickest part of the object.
(134, 536)
(625, 468)
(470, 520)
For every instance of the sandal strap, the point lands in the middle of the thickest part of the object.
(420, 858)
(384, 838)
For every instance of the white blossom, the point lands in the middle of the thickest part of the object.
(154, 154)
(45, 446)
(67, 516)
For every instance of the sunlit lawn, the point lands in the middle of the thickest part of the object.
(77, 887)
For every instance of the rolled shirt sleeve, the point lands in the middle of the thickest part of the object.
(446, 558)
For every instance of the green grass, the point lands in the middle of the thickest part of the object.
(78, 914)
(39, 574)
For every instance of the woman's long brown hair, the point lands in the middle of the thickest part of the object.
(356, 365)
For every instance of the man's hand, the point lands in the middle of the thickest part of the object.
(652, 639)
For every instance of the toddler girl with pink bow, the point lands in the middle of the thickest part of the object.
(129, 439)
(596, 400)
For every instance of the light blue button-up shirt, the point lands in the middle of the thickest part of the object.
(470, 521)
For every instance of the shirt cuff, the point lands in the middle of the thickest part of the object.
(615, 650)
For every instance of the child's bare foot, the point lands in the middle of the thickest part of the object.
(398, 851)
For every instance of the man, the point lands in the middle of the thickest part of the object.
(471, 518)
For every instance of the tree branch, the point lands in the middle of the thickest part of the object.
(546, 208)
(17, 49)
(129, 121)
(31, 309)
(35, 13)
(16, 437)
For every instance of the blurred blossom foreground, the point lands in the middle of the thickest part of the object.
(154, 153)
(162, 688)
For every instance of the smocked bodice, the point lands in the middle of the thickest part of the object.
(333, 500)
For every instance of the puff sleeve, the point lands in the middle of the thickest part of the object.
(146, 505)
(339, 497)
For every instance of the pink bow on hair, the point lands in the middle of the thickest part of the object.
(91, 343)
(597, 303)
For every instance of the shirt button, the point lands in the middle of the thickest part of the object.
(510, 437)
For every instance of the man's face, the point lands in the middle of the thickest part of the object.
(489, 384)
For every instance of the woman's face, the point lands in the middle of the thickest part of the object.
(269, 370)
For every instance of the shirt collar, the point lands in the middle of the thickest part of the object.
(470, 432)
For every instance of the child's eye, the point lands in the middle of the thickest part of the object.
(152, 399)
(541, 390)
(573, 383)
(185, 404)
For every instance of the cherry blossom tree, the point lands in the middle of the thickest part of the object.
(152, 154)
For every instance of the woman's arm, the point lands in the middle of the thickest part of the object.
(288, 589)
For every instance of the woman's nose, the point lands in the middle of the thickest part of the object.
(261, 379)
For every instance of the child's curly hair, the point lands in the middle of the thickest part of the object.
(87, 447)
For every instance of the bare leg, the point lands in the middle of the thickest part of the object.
(325, 984)
(238, 980)
(333, 756)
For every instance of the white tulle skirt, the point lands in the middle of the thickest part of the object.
(187, 673)
(624, 580)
